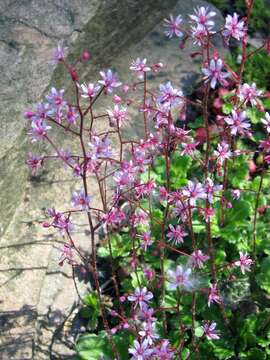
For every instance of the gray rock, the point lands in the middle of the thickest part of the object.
(36, 295)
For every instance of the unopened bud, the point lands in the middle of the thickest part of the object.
(29, 114)
(86, 56)
(117, 99)
(182, 45)
(114, 313)
(267, 46)
(114, 330)
(157, 67)
(73, 73)
(125, 88)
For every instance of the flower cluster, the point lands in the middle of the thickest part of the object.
(165, 200)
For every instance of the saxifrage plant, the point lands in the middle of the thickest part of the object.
(185, 208)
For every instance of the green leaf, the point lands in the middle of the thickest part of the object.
(97, 347)
(199, 331)
(94, 347)
(169, 301)
(238, 171)
(121, 245)
(197, 123)
(256, 354)
(223, 353)
(227, 108)
(263, 278)
(239, 213)
(254, 115)
(91, 300)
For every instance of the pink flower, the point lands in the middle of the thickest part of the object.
(213, 295)
(80, 199)
(139, 66)
(65, 156)
(194, 191)
(140, 218)
(265, 145)
(141, 297)
(266, 121)
(145, 189)
(244, 263)
(189, 148)
(89, 91)
(117, 115)
(180, 210)
(34, 162)
(223, 152)
(173, 26)
(162, 115)
(149, 332)
(180, 278)
(99, 147)
(66, 255)
(198, 258)
(210, 189)
(180, 134)
(163, 351)
(238, 123)
(114, 218)
(71, 114)
(199, 33)
(149, 273)
(209, 330)
(163, 193)
(214, 74)
(38, 130)
(236, 194)
(208, 213)
(58, 55)
(249, 94)
(234, 27)
(109, 80)
(202, 17)
(56, 98)
(146, 314)
(176, 234)
(140, 351)
(169, 95)
(123, 178)
(146, 240)
(60, 221)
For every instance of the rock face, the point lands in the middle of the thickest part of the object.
(35, 294)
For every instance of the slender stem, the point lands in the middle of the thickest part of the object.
(254, 232)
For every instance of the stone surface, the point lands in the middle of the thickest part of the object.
(36, 295)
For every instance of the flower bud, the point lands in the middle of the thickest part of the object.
(114, 330)
(125, 88)
(114, 313)
(73, 73)
(86, 56)
(29, 114)
(117, 99)
(267, 46)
